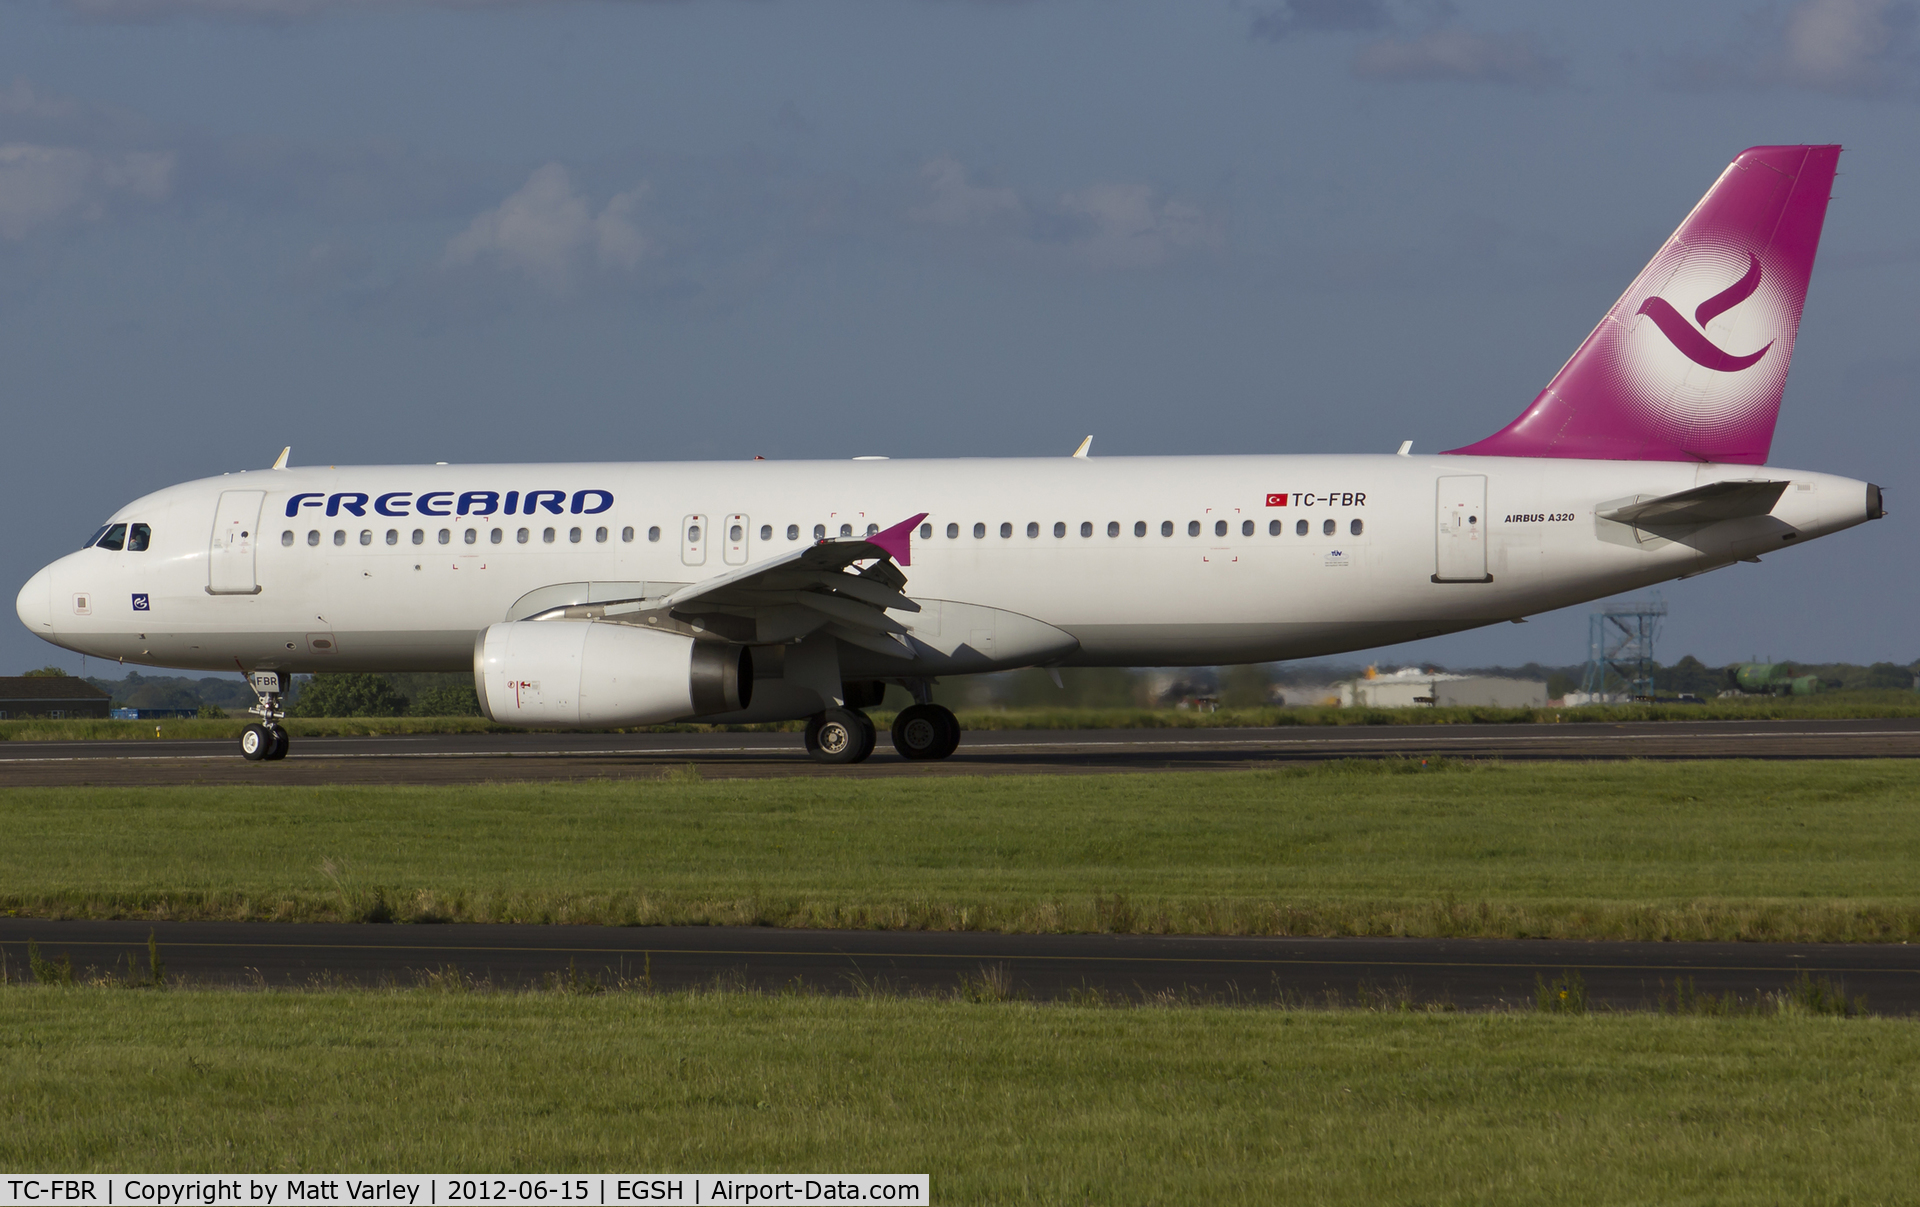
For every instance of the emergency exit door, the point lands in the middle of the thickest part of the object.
(236, 532)
(1460, 545)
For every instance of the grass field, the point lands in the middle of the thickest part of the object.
(1834, 706)
(1714, 850)
(999, 1102)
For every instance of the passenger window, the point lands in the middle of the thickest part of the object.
(313, 537)
(573, 534)
(735, 533)
(521, 536)
(1006, 530)
(953, 532)
(653, 533)
(626, 534)
(766, 532)
(979, 530)
(393, 536)
(473, 536)
(1300, 529)
(793, 532)
(286, 538)
(1273, 529)
(1086, 528)
(445, 537)
(366, 536)
(926, 532)
(116, 538)
(1357, 527)
(1193, 527)
(693, 534)
(1139, 528)
(139, 536)
(419, 536)
(339, 536)
(819, 532)
(1033, 530)
(1327, 528)
(495, 536)
(1219, 528)
(1113, 527)
(1246, 528)
(846, 530)
(546, 534)
(599, 535)
(1059, 529)
(872, 528)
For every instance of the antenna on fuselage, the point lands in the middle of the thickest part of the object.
(1085, 446)
(280, 462)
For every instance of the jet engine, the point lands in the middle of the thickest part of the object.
(562, 674)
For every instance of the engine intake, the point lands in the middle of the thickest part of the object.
(563, 674)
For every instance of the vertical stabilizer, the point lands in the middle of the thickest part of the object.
(1690, 363)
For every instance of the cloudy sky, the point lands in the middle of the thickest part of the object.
(481, 230)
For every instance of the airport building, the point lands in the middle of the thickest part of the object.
(1410, 686)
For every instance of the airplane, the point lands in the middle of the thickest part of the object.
(608, 595)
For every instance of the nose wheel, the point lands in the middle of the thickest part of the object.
(265, 741)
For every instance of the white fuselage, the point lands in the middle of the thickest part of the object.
(407, 584)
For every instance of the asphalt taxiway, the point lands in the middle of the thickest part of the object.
(472, 758)
(1462, 973)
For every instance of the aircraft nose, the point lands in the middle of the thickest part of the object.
(35, 603)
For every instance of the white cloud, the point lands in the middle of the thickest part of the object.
(550, 233)
(1108, 225)
(1453, 53)
(954, 200)
(1844, 47)
(1132, 226)
(41, 186)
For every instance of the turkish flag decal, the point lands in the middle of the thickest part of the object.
(1276, 500)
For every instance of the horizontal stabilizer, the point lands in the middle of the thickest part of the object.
(1707, 504)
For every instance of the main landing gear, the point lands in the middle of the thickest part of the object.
(847, 735)
(266, 741)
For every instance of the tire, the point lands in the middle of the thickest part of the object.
(255, 743)
(925, 731)
(281, 742)
(839, 735)
(870, 736)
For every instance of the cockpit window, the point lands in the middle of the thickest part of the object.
(139, 536)
(97, 534)
(116, 538)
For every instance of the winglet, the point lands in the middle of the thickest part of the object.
(280, 462)
(1085, 446)
(898, 540)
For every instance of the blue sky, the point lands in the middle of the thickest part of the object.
(472, 231)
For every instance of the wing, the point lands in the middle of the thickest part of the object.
(785, 598)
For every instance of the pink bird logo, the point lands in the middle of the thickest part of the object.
(1695, 346)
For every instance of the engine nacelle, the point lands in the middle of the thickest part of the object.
(565, 674)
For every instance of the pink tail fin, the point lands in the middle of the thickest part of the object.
(1690, 363)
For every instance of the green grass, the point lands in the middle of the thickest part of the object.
(999, 1103)
(1825, 851)
(1849, 705)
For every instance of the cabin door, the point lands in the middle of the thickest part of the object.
(236, 532)
(1460, 545)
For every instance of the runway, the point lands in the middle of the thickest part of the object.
(472, 758)
(1466, 974)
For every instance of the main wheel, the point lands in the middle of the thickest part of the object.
(839, 735)
(870, 736)
(255, 743)
(280, 744)
(925, 731)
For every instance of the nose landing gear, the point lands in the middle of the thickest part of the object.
(266, 741)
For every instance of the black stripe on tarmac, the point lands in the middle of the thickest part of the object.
(467, 758)
(1465, 973)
